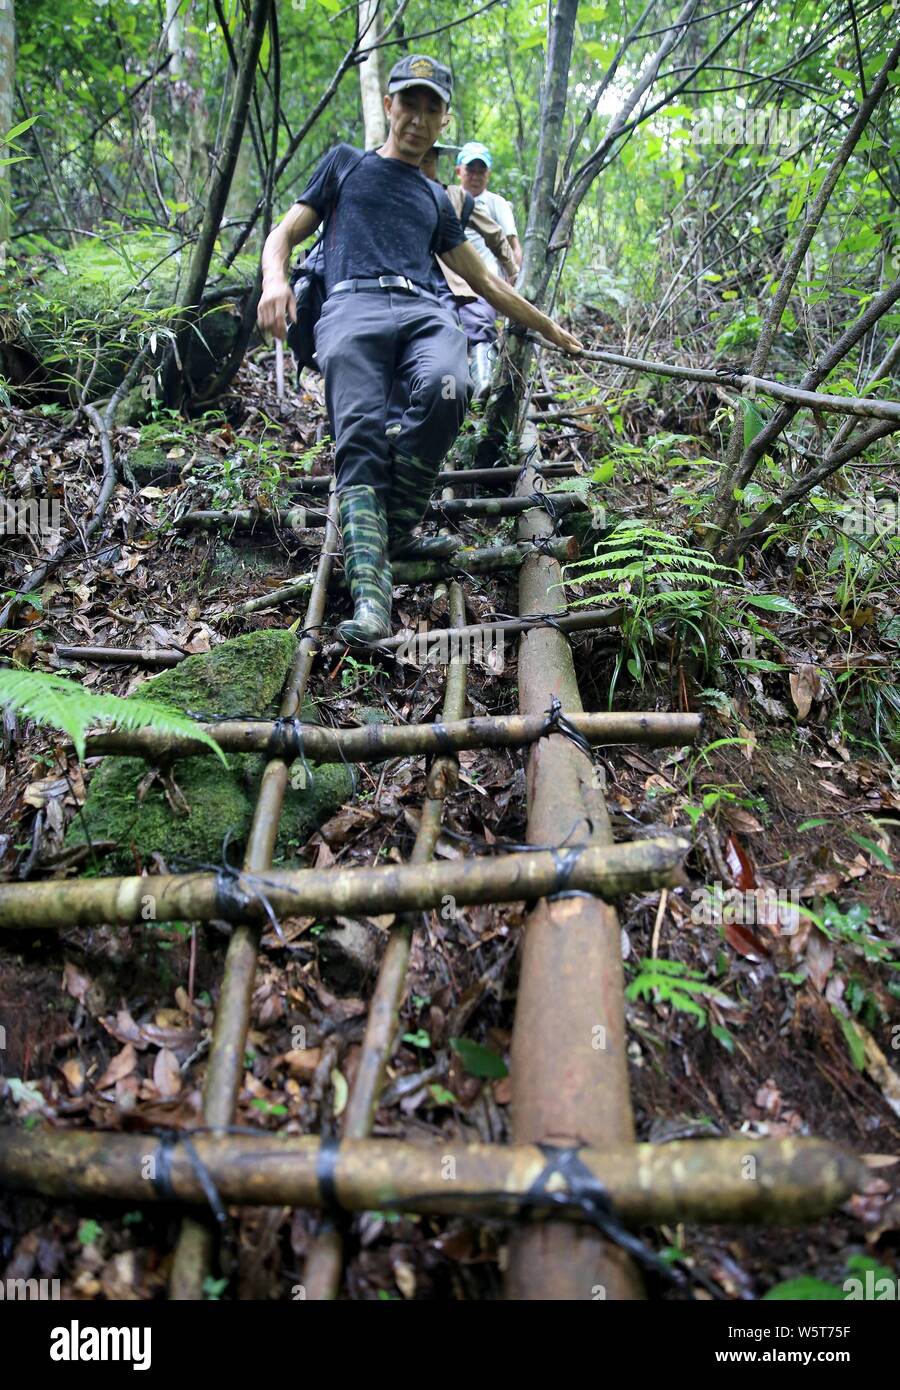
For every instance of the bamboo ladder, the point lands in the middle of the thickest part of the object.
(573, 1180)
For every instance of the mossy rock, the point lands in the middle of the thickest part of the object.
(371, 714)
(244, 558)
(244, 676)
(124, 284)
(149, 461)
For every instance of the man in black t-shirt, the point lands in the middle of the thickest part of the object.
(382, 324)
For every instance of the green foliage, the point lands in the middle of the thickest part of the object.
(672, 982)
(89, 1232)
(650, 568)
(64, 704)
(806, 1288)
(478, 1060)
(657, 577)
(851, 928)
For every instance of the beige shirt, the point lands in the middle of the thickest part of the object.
(493, 235)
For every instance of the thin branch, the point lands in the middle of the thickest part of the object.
(734, 466)
(861, 406)
(834, 459)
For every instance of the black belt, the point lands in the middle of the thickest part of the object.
(383, 282)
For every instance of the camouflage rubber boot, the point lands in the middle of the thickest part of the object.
(411, 488)
(366, 565)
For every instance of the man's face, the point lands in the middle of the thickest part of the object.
(473, 176)
(429, 166)
(416, 117)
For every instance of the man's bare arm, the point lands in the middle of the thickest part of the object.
(277, 297)
(516, 249)
(465, 260)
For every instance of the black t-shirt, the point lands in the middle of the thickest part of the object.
(388, 221)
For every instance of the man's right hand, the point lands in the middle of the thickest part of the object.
(562, 338)
(276, 301)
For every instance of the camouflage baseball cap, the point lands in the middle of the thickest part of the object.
(417, 70)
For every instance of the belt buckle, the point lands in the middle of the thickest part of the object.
(398, 282)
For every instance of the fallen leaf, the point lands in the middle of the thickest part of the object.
(120, 1067)
(37, 794)
(806, 686)
(832, 790)
(302, 1062)
(341, 1092)
(73, 1072)
(742, 820)
(405, 1276)
(74, 982)
(862, 617)
(819, 958)
(740, 865)
(876, 1065)
(167, 1074)
(744, 941)
(768, 1098)
(820, 884)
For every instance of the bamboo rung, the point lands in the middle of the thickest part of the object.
(728, 1180)
(607, 870)
(373, 742)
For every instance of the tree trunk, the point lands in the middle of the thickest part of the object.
(734, 473)
(176, 369)
(534, 274)
(7, 102)
(370, 30)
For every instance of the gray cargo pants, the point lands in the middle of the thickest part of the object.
(367, 344)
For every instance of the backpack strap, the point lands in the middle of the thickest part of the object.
(433, 245)
(468, 208)
(342, 178)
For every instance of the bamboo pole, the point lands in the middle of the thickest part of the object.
(569, 1065)
(136, 656)
(777, 1181)
(308, 518)
(321, 1274)
(461, 477)
(607, 870)
(466, 560)
(193, 1254)
(377, 742)
(582, 620)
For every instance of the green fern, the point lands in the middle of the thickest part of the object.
(675, 984)
(655, 577)
(635, 558)
(66, 705)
